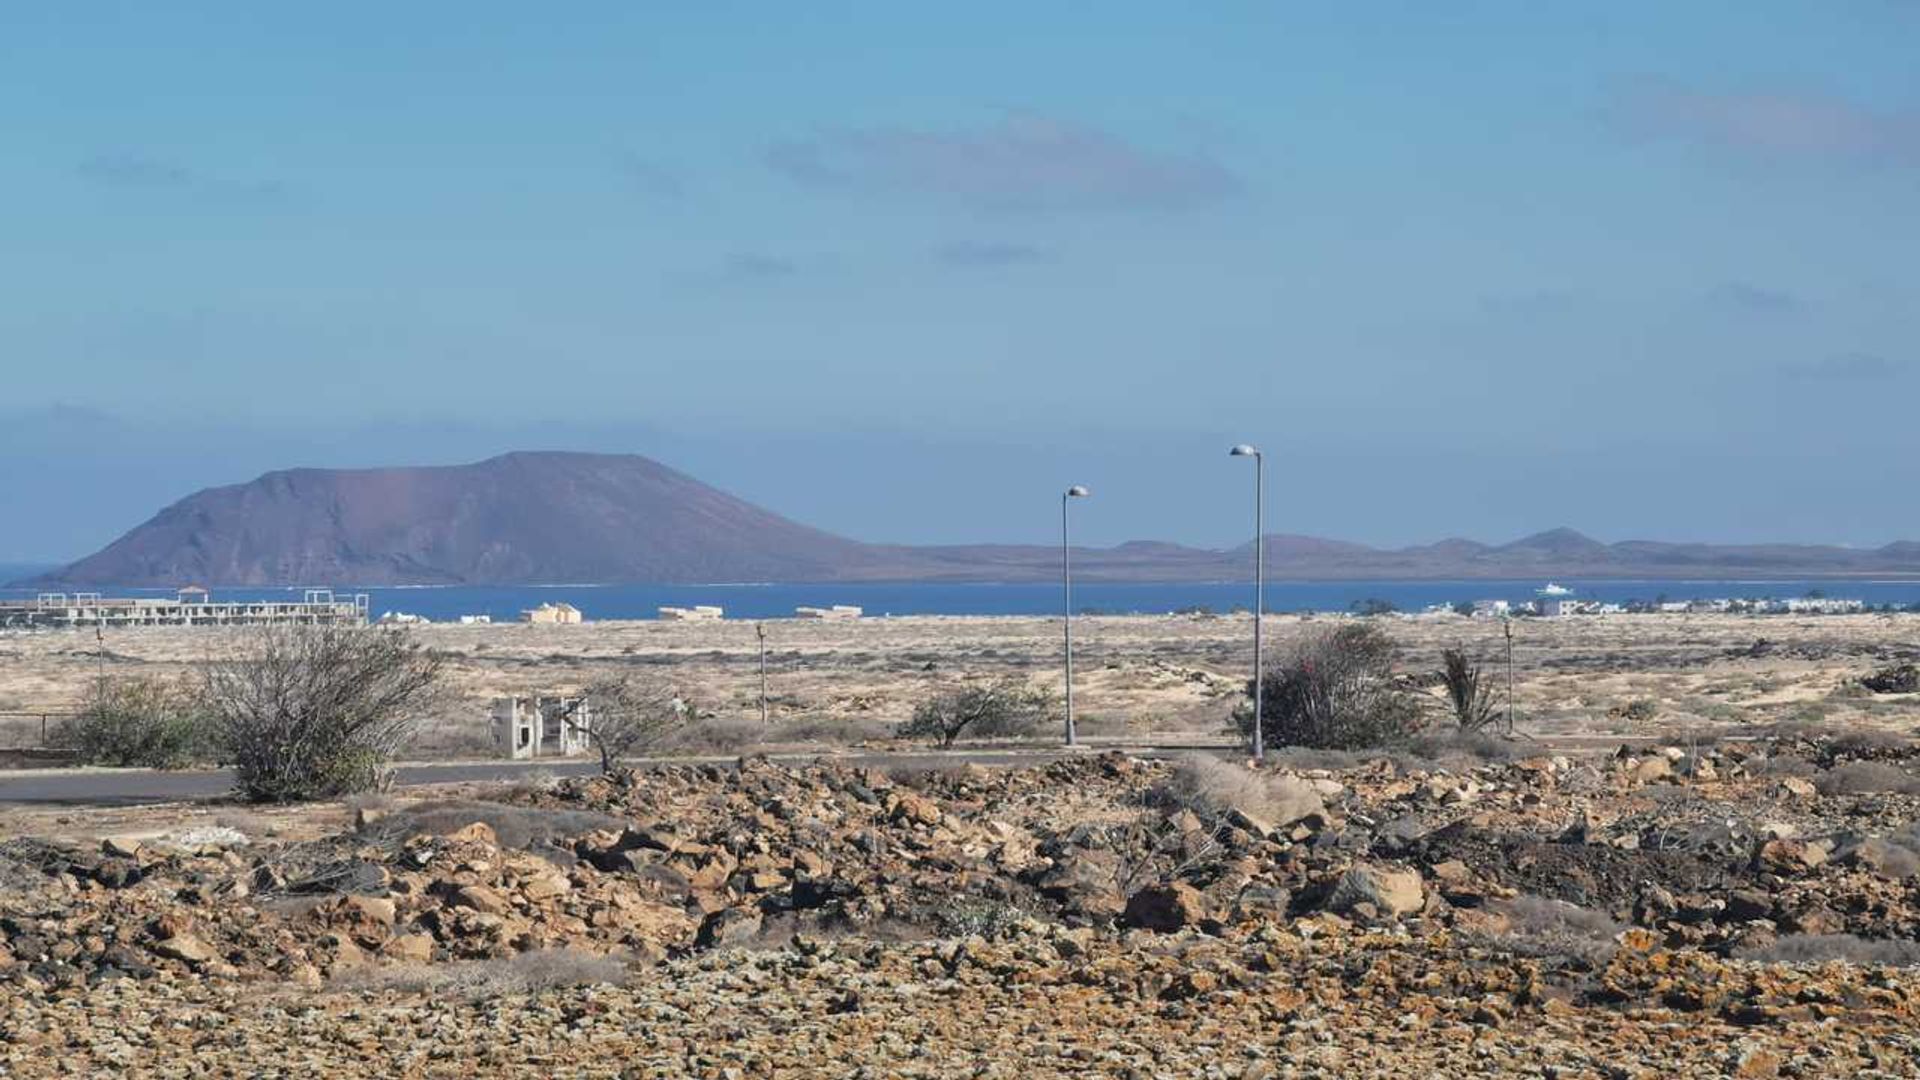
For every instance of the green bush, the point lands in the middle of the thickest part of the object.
(140, 722)
(1335, 690)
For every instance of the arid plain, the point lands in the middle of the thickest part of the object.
(1137, 677)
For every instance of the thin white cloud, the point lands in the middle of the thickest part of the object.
(1024, 162)
(1780, 124)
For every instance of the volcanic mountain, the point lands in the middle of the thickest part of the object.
(560, 518)
(528, 518)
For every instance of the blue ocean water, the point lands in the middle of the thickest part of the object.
(764, 601)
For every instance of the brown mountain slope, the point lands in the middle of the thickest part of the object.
(524, 518)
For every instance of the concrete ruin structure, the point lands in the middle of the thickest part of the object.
(561, 614)
(698, 613)
(536, 727)
(837, 611)
(188, 607)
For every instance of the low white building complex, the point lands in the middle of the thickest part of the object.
(702, 612)
(837, 611)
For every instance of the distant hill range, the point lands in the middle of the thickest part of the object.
(565, 518)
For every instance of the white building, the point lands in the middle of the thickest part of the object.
(552, 614)
(698, 613)
(1491, 609)
(542, 726)
(837, 611)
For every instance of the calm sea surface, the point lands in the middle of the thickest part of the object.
(773, 601)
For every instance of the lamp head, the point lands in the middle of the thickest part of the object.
(1077, 492)
(1243, 450)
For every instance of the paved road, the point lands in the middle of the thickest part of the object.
(134, 787)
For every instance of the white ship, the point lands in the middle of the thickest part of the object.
(1555, 590)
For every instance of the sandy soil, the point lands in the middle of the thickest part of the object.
(1692, 675)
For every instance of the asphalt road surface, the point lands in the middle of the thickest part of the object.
(135, 787)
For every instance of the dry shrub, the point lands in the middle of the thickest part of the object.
(523, 973)
(1211, 787)
(1335, 689)
(1553, 928)
(1475, 746)
(1003, 708)
(1826, 948)
(312, 712)
(1867, 778)
(833, 730)
(721, 735)
(140, 722)
(633, 713)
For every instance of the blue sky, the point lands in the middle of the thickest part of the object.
(905, 272)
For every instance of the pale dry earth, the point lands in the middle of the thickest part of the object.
(1136, 675)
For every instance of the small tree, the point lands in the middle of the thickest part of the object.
(1335, 689)
(1470, 693)
(140, 721)
(628, 714)
(312, 712)
(1005, 707)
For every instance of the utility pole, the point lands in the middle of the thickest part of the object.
(1506, 624)
(760, 629)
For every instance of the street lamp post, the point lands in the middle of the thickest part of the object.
(1259, 588)
(1066, 589)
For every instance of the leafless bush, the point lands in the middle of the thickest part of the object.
(1210, 788)
(1867, 778)
(318, 711)
(1001, 708)
(1553, 928)
(524, 973)
(1335, 689)
(1826, 948)
(140, 721)
(1640, 710)
(631, 713)
(1152, 849)
(1469, 693)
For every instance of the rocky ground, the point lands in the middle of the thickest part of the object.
(1746, 909)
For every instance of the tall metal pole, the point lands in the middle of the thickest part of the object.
(1066, 621)
(1066, 599)
(1259, 601)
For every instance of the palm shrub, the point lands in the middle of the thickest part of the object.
(1469, 693)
